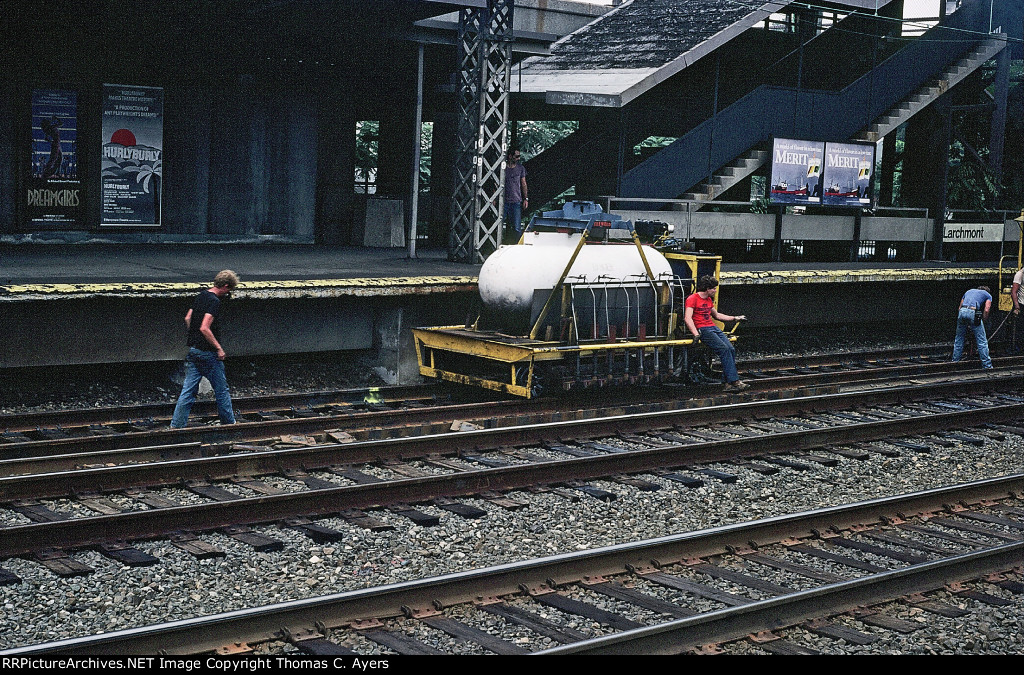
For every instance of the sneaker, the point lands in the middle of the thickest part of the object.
(738, 385)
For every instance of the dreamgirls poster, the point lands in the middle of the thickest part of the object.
(796, 171)
(132, 161)
(848, 170)
(53, 191)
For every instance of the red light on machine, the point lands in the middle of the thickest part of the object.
(602, 223)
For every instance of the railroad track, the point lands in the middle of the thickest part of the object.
(86, 422)
(410, 411)
(845, 573)
(59, 504)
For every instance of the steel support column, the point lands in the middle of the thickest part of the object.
(485, 60)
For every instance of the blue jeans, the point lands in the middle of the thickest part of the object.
(964, 323)
(719, 343)
(200, 364)
(514, 215)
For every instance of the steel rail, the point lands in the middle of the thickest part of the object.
(73, 421)
(277, 622)
(28, 421)
(587, 424)
(243, 432)
(77, 532)
(680, 636)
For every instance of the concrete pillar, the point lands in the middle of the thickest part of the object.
(8, 183)
(187, 162)
(442, 179)
(887, 174)
(336, 167)
(395, 154)
(396, 361)
(237, 144)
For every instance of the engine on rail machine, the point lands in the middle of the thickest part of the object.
(581, 301)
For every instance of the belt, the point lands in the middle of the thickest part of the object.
(966, 307)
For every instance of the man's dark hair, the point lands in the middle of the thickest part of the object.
(706, 282)
(985, 288)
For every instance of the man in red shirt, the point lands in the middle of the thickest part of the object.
(699, 315)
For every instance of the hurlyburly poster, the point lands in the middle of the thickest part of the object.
(53, 191)
(796, 171)
(848, 169)
(132, 162)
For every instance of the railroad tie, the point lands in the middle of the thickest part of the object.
(694, 588)
(902, 556)
(318, 533)
(535, 622)
(416, 516)
(585, 609)
(631, 595)
(198, 548)
(8, 577)
(399, 642)
(261, 543)
(795, 568)
(836, 557)
(773, 644)
(461, 631)
(687, 481)
(896, 624)
(62, 564)
(365, 520)
(762, 469)
(725, 574)
(322, 647)
(936, 607)
(839, 632)
(978, 596)
(458, 508)
(127, 555)
(720, 475)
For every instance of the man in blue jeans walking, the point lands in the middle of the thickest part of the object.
(205, 354)
(974, 309)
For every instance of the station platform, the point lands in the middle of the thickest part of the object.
(94, 304)
(267, 270)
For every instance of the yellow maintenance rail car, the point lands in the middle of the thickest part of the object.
(579, 302)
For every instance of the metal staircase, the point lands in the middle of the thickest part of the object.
(729, 175)
(865, 110)
(927, 94)
(754, 159)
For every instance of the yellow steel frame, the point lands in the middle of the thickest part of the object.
(1006, 287)
(453, 340)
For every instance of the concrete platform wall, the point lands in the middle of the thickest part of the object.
(108, 329)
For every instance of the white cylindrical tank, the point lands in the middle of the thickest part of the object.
(511, 274)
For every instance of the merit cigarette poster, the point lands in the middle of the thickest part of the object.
(796, 171)
(132, 162)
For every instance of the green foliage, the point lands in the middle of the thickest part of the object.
(653, 142)
(533, 137)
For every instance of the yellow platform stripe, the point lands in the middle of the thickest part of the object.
(288, 288)
(854, 275)
(393, 286)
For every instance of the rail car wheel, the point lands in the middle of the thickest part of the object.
(537, 385)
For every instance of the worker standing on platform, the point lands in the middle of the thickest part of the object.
(516, 198)
(700, 310)
(205, 354)
(974, 309)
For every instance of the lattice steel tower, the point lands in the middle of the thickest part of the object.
(485, 62)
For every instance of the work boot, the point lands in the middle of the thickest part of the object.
(738, 385)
